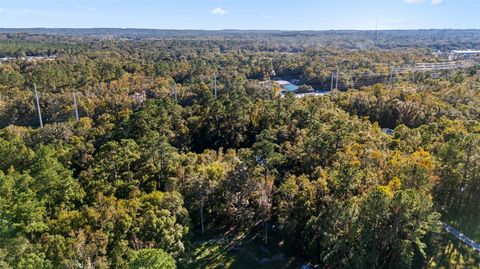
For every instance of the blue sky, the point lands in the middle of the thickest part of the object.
(242, 14)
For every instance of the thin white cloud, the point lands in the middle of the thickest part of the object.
(219, 11)
(434, 2)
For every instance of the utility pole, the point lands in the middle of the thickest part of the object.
(215, 85)
(331, 83)
(75, 107)
(38, 105)
(269, 89)
(336, 84)
(391, 73)
(175, 91)
(376, 31)
(201, 216)
(144, 99)
(266, 232)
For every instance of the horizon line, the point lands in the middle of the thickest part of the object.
(231, 29)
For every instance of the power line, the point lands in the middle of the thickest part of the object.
(367, 79)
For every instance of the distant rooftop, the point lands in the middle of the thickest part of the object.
(388, 131)
(307, 94)
(282, 82)
(466, 51)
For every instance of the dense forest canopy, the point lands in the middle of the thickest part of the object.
(153, 174)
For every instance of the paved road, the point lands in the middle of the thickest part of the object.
(461, 236)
